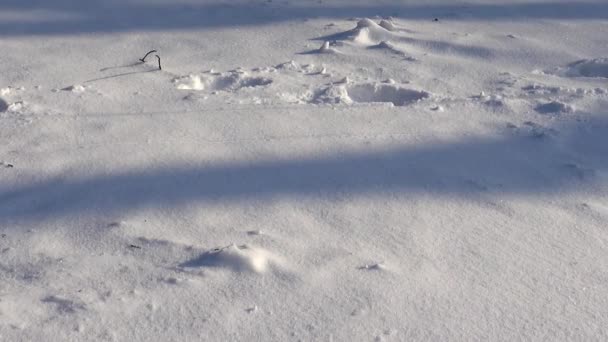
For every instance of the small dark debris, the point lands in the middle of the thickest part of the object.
(3, 235)
(135, 246)
(436, 19)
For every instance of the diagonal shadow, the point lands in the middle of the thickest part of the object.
(526, 163)
(120, 75)
(130, 65)
(74, 16)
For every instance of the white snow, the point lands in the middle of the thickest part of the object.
(303, 170)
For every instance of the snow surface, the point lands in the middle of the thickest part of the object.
(303, 170)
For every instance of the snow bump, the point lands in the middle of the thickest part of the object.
(241, 258)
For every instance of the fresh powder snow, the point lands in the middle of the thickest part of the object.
(303, 170)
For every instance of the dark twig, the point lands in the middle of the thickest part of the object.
(135, 246)
(159, 67)
(144, 58)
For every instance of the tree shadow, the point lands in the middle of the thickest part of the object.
(528, 161)
(72, 16)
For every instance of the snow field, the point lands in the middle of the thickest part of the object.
(326, 178)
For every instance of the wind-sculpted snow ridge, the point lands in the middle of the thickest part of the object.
(387, 35)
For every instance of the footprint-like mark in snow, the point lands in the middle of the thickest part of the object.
(230, 82)
(387, 93)
(394, 94)
(373, 267)
(588, 68)
(237, 258)
(554, 107)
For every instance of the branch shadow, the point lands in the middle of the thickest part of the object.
(120, 75)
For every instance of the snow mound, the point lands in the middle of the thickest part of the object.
(237, 258)
(589, 68)
(387, 25)
(366, 22)
(385, 93)
(554, 107)
(368, 32)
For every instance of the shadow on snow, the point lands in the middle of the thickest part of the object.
(529, 161)
(76, 16)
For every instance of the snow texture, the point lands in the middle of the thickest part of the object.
(304, 170)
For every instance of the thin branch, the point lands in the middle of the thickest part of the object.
(159, 67)
(144, 58)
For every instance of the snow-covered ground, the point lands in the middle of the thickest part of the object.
(303, 170)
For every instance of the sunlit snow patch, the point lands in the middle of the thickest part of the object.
(16, 107)
(190, 82)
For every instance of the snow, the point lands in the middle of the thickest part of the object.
(303, 170)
